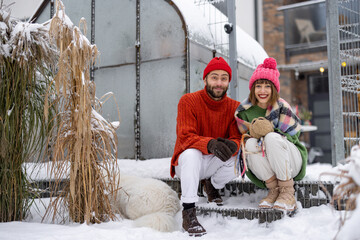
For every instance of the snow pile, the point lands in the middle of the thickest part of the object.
(316, 223)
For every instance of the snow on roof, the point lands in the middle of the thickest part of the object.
(198, 20)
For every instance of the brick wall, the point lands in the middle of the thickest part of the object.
(293, 91)
(308, 57)
(273, 25)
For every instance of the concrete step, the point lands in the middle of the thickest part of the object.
(262, 215)
(308, 193)
(47, 188)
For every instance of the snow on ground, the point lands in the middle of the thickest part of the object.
(315, 223)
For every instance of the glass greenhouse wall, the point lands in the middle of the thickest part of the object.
(175, 43)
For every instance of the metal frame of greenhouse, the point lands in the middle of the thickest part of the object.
(343, 30)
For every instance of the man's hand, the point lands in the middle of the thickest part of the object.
(231, 144)
(219, 149)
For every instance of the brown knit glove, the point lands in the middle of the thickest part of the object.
(231, 144)
(219, 149)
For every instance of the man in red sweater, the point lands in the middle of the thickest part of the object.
(207, 142)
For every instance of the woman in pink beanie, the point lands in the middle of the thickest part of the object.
(275, 160)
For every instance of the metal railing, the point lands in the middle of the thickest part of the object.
(343, 35)
(349, 34)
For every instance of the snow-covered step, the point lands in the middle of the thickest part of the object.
(240, 198)
(46, 188)
(263, 215)
(243, 206)
(308, 193)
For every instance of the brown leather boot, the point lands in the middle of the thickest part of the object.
(191, 224)
(212, 193)
(268, 201)
(286, 199)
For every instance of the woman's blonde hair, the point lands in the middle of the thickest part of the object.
(274, 94)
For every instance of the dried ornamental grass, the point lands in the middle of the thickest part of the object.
(84, 144)
(346, 192)
(25, 61)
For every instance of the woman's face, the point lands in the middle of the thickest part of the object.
(263, 94)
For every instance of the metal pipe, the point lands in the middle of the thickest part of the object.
(231, 10)
(137, 70)
(335, 94)
(256, 20)
(187, 49)
(92, 21)
(92, 69)
(52, 9)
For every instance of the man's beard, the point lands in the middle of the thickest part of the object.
(209, 89)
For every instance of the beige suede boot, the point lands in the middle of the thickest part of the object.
(268, 201)
(286, 199)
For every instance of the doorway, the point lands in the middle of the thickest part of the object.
(318, 100)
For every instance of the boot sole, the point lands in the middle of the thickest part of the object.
(194, 234)
(266, 205)
(285, 209)
(219, 204)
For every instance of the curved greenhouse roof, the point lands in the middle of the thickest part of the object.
(199, 19)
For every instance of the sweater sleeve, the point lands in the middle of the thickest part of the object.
(187, 129)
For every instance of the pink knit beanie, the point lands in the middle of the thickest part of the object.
(267, 71)
(217, 63)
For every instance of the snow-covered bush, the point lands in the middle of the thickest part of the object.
(25, 60)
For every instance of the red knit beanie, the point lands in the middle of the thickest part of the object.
(267, 71)
(217, 63)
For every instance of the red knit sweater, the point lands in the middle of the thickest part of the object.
(201, 119)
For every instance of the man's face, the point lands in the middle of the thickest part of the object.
(217, 83)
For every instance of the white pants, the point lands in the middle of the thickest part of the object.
(194, 166)
(282, 158)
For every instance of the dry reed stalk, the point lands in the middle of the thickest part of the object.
(85, 144)
(348, 190)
